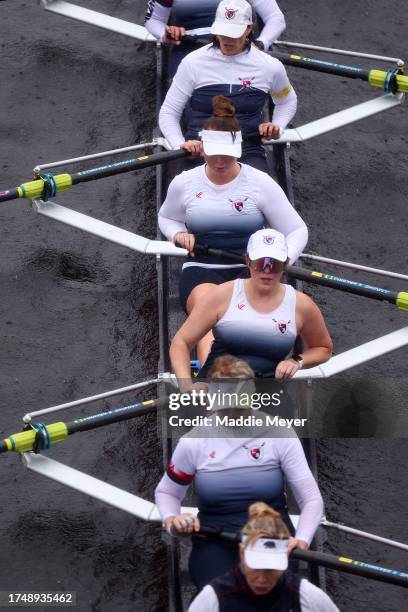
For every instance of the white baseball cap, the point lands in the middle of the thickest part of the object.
(267, 553)
(267, 243)
(232, 18)
(221, 143)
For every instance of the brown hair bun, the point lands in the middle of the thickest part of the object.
(223, 118)
(223, 107)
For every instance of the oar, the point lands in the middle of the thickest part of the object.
(398, 298)
(342, 563)
(391, 80)
(49, 185)
(39, 436)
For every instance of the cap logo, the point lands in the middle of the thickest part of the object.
(230, 13)
(268, 239)
(269, 544)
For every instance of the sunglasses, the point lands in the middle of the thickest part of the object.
(260, 265)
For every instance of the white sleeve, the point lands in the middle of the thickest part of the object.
(280, 215)
(283, 94)
(173, 486)
(273, 19)
(206, 601)
(172, 213)
(304, 488)
(313, 599)
(174, 103)
(156, 18)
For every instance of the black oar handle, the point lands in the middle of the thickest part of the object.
(352, 72)
(342, 564)
(343, 284)
(128, 165)
(317, 278)
(204, 249)
(350, 566)
(114, 416)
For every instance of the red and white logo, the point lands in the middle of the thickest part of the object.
(212, 455)
(199, 194)
(241, 306)
(230, 13)
(268, 239)
(255, 452)
(246, 83)
(282, 325)
(239, 204)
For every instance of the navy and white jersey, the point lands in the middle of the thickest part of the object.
(193, 15)
(311, 599)
(246, 78)
(224, 216)
(231, 473)
(261, 339)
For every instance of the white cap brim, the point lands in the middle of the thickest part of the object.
(268, 251)
(232, 150)
(232, 30)
(221, 143)
(266, 560)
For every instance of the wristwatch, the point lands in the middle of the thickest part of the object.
(298, 358)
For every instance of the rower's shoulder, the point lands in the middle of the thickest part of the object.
(197, 54)
(265, 58)
(304, 302)
(258, 178)
(220, 294)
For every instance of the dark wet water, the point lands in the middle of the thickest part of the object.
(78, 315)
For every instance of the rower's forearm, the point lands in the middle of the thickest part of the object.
(180, 361)
(315, 356)
(284, 111)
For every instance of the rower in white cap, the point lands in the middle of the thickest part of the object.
(220, 204)
(231, 66)
(256, 319)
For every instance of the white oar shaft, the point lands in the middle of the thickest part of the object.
(76, 160)
(364, 534)
(86, 400)
(380, 58)
(353, 266)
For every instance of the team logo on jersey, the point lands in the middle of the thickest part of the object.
(241, 306)
(282, 325)
(268, 239)
(212, 455)
(230, 13)
(238, 205)
(246, 83)
(199, 194)
(255, 452)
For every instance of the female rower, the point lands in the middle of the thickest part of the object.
(262, 581)
(188, 15)
(229, 474)
(257, 319)
(221, 204)
(231, 66)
